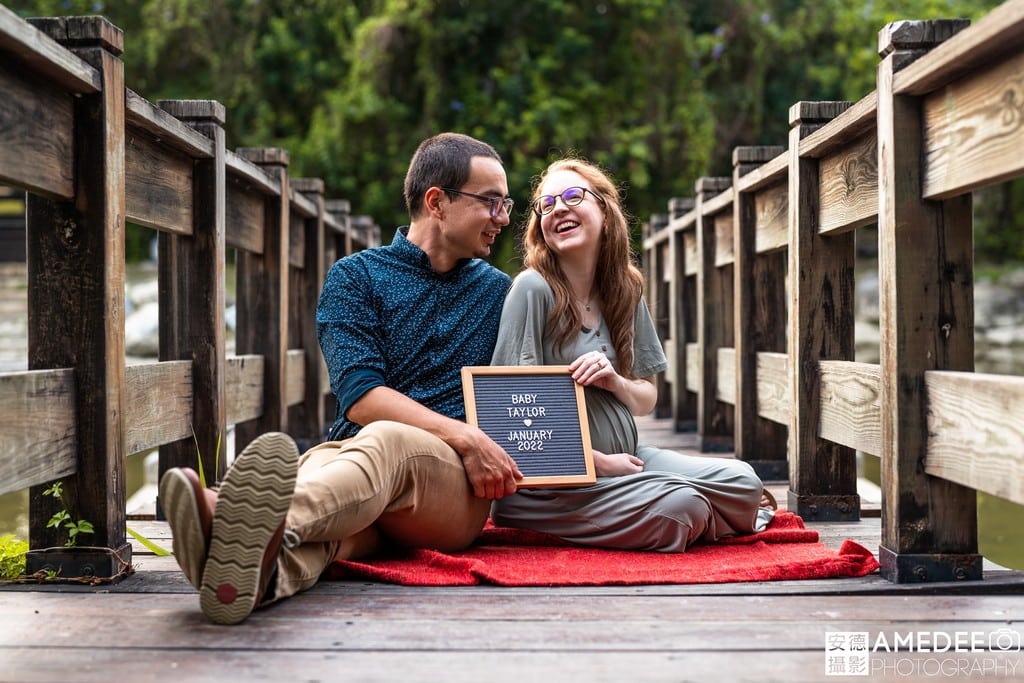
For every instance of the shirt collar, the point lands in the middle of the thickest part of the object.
(407, 251)
(413, 255)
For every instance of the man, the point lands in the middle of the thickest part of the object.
(396, 325)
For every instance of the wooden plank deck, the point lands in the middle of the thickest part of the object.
(149, 627)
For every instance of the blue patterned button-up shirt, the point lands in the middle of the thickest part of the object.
(386, 318)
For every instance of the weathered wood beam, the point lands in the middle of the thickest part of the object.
(37, 434)
(975, 432)
(925, 272)
(974, 130)
(714, 321)
(192, 284)
(759, 311)
(822, 474)
(37, 147)
(262, 298)
(76, 311)
(307, 414)
(682, 313)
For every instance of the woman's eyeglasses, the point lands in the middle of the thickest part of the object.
(497, 203)
(571, 196)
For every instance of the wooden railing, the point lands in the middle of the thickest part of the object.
(92, 155)
(753, 280)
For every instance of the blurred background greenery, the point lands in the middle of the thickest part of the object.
(659, 92)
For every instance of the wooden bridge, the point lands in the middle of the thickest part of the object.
(752, 280)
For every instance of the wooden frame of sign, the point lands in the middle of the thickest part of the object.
(538, 415)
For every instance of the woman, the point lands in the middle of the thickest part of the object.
(578, 303)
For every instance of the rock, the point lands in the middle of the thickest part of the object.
(142, 331)
(996, 304)
(867, 341)
(1010, 335)
(866, 302)
(1014, 279)
(145, 292)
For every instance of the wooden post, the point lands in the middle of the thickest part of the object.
(192, 281)
(336, 244)
(659, 301)
(262, 300)
(365, 233)
(714, 317)
(647, 268)
(76, 312)
(306, 420)
(682, 295)
(929, 525)
(822, 474)
(759, 308)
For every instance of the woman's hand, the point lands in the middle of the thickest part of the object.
(616, 464)
(594, 369)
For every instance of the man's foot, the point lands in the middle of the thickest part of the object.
(248, 525)
(189, 510)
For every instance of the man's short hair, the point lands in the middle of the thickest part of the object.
(442, 161)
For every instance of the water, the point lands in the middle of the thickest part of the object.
(14, 514)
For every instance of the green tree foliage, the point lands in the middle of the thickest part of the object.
(657, 91)
(535, 79)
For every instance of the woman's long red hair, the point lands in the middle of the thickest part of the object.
(619, 283)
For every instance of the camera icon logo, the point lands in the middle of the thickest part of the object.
(1004, 640)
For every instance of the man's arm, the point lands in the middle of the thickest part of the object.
(492, 473)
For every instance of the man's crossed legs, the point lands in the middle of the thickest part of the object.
(276, 522)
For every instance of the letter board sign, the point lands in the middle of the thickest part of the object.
(538, 415)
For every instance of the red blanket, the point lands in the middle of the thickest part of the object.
(786, 550)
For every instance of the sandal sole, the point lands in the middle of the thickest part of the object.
(178, 499)
(251, 504)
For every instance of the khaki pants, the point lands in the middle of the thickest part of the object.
(390, 480)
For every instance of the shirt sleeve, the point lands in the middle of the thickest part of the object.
(648, 354)
(523, 319)
(348, 328)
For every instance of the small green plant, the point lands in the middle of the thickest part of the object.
(63, 517)
(12, 556)
(199, 458)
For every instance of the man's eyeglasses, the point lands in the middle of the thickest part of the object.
(497, 203)
(571, 196)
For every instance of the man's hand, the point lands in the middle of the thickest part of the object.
(616, 464)
(492, 473)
